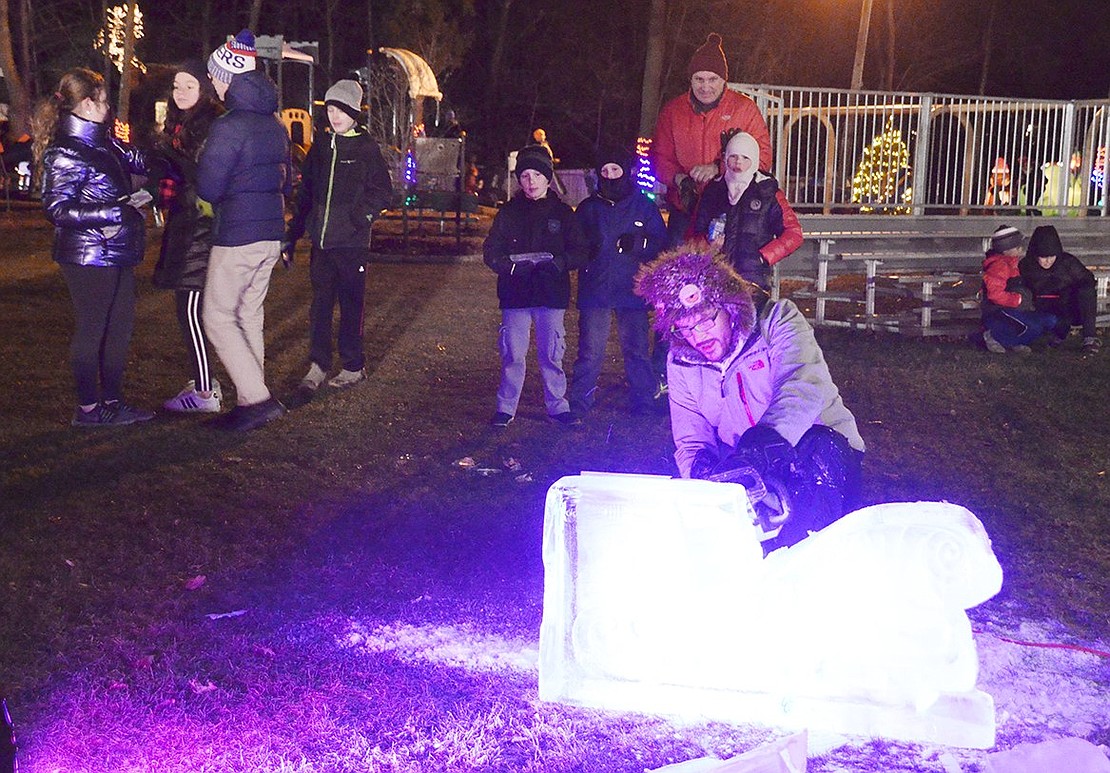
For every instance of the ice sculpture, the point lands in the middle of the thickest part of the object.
(657, 598)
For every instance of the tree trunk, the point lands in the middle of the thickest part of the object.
(329, 26)
(206, 29)
(650, 92)
(988, 33)
(126, 70)
(20, 108)
(26, 24)
(256, 14)
(370, 44)
(494, 82)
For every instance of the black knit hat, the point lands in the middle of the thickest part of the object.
(535, 157)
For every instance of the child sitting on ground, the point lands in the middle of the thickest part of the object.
(1009, 321)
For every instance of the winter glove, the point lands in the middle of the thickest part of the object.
(687, 194)
(287, 248)
(632, 241)
(763, 448)
(703, 464)
(548, 268)
(522, 271)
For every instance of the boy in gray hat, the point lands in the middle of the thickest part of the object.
(345, 184)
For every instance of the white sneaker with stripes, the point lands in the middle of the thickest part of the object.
(188, 400)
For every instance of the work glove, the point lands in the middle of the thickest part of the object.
(687, 194)
(204, 209)
(763, 448)
(704, 463)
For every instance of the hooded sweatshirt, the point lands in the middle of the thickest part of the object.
(1066, 274)
(244, 170)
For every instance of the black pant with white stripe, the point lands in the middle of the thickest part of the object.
(189, 304)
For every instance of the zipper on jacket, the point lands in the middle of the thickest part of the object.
(743, 396)
(327, 201)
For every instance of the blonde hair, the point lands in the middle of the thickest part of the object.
(75, 85)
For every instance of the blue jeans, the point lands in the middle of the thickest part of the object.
(513, 340)
(593, 335)
(1014, 327)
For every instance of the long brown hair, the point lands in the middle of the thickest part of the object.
(75, 85)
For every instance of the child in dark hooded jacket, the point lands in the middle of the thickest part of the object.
(1061, 285)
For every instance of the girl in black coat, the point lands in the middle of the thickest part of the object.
(99, 234)
(187, 238)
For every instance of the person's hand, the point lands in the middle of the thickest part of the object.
(703, 173)
(703, 465)
(204, 209)
(631, 242)
(548, 268)
(287, 248)
(767, 450)
(522, 271)
(687, 194)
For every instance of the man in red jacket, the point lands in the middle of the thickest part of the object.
(686, 149)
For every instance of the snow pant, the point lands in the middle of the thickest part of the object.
(1016, 327)
(1076, 306)
(189, 304)
(234, 293)
(513, 341)
(593, 335)
(338, 274)
(104, 315)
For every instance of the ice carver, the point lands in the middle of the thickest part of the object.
(750, 391)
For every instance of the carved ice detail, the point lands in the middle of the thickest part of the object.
(657, 598)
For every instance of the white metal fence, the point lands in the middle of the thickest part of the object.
(906, 153)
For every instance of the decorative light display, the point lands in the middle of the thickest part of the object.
(645, 177)
(409, 176)
(111, 35)
(657, 598)
(882, 178)
(1098, 175)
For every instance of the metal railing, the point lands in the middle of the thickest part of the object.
(905, 153)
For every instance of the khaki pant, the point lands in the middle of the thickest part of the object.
(234, 291)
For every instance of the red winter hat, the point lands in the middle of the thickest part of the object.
(709, 57)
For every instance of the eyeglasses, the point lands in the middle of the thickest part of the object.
(701, 326)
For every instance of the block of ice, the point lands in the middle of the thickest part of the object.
(657, 598)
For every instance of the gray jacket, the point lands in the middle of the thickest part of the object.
(777, 377)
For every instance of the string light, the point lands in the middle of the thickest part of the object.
(409, 175)
(645, 177)
(884, 168)
(1098, 174)
(111, 35)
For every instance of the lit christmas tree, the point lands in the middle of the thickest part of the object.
(882, 179)
(111, 35)
(645, 178)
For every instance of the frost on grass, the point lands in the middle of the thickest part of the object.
(458, 646)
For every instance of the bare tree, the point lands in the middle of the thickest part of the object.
(888, 81)
(256, 15)
(20, 109)
(988, 34)
(126, 70)
(651, 91)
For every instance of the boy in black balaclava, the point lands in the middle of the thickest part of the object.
(1061, 285)
(624, 230)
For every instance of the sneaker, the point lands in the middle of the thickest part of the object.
(314, 378)
(566, 419)
(347, 378)
(188, 400)
(1091, 345)
(991, 344)
(248, 417)
(501, 419)
(112, 413)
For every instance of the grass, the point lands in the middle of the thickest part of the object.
(391, 599)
